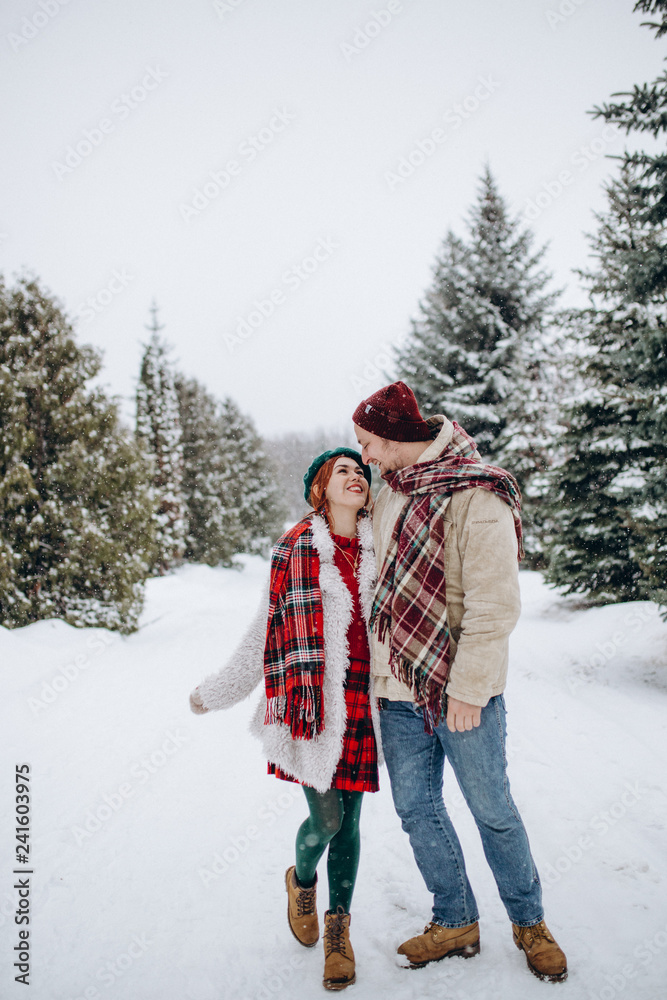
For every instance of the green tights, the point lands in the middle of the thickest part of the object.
(333, 821)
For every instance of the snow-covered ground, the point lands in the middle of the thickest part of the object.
(158, 842)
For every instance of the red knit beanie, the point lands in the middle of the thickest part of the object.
(392, 413)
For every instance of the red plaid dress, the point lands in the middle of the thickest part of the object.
(357, 769)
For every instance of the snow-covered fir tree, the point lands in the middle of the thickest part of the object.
(257, 497)
(76, 535)
(480, 351)
(610, 499)
(609, 492)
(215, 532)
(645, 112)
(159, 435)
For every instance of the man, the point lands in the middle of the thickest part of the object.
(447, 533)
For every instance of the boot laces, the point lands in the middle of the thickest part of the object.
(305, 901)
(335, 930)
(539, 933)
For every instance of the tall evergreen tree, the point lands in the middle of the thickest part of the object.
(261, 507)
(645, 112)
(159, 434)
(75, 507)
(611, 490)
(480, 350)
(215, 531)
(605, 501)
(233, 502)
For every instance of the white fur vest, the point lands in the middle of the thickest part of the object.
(312, 762)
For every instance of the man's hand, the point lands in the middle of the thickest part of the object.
(462, 716)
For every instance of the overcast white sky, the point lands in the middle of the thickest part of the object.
(116, 112)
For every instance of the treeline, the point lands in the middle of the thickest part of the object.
(89, 508)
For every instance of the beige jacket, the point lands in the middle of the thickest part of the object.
(482, 582)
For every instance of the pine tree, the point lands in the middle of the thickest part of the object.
(159, 435)
(256, 494)
(645, 111)
(233, 502)
(215, 531)
(480, 351)
(615, 477)
(610, 504)
(75, 508)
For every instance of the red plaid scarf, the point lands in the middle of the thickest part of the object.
(410, 600)
(294, 651)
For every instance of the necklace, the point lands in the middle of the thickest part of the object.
(352, 563)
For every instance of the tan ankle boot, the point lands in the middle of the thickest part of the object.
(302, 910)
(545, 959)
(338, 954)
(439, 942)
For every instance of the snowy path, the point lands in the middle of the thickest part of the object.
(159, 843)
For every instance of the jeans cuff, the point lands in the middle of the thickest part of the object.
(461, 923)
(528, 923)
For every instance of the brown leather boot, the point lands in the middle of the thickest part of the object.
(545, 959)
(439, 942)
(338, 954)
(302, 910)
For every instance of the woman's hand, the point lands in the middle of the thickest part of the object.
(196, 703)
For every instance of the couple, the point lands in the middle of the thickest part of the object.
(446, 530)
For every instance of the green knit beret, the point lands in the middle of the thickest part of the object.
(318, 462)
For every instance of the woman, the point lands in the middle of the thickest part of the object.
(318, 718)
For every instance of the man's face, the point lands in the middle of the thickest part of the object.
(379, 451)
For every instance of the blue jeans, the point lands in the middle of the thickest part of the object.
(416, 762)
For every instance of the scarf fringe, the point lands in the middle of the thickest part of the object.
(275, 710)
(380, 623)
(428, 694)
(301, 710)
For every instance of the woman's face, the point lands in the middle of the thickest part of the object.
(347, 486)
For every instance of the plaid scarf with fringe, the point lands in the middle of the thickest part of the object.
(410, 603)
(294, 651)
